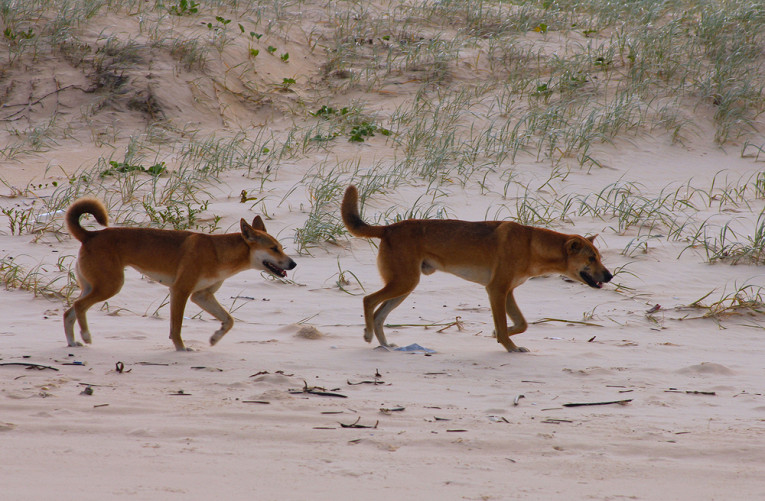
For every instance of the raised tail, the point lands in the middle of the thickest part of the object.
(352, 220)
(85, 206)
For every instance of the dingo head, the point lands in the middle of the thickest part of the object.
(266, 252)
(583, 262)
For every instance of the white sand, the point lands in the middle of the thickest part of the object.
(460, 434)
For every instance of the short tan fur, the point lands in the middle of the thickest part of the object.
(193, 265)
(500, 255)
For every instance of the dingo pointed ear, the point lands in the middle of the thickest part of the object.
(592, 238)
(258, 224)
(248, 232)
(573, 246)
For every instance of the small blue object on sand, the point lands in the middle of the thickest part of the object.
(414, 348)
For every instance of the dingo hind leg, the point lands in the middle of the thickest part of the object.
(400, 277)
(97, 284)
(179, 296)
(382, 313)
(70, 316)
(390, 296)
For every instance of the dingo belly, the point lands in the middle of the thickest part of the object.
(477, 274)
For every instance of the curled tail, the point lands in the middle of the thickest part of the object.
(352, 220)
(85, 206)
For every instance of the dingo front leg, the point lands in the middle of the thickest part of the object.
(519, 323)
(206, 300)
(503, 304)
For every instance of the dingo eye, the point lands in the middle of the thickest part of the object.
(275, 248)
(592, 259)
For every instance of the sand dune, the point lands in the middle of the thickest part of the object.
(292, 403)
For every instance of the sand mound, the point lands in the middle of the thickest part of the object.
(309, 332)
(706, 368)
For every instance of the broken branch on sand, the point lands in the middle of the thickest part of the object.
(316, 390)
(280, 372)
(376, 380)
(392, 409)
(427, 326)
(356, 424)
(30, 366)
(690, 392)
(364, 382)
(563, 320)
(582, 404)
(457, 322)
(556, 421)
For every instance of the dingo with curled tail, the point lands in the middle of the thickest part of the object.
(192, 265)
(500, 255)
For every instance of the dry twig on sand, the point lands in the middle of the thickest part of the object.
(31, 366)
(582, 404)
(316, 390)
(356, 424)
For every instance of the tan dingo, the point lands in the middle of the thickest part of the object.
(193, 265)
(499, 255)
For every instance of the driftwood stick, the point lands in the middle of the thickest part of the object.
(457, 322)
(690, 392)
(376, 381)
(315, 390)
(392, 409)
(30, 366)
(356, 424)
(563, 320)
(582, 404)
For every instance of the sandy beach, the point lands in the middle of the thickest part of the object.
(292, 404)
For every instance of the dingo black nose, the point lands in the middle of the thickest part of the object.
(607, 276)
(292, 265)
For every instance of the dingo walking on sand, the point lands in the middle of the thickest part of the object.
(192, 265)
(499, 255)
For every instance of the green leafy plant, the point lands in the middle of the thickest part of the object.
(222, 23)
(361, 132)
(19, 221)
(543, 90)
(124, 168)
(355, 125)
(184, 8)
(181, 216)
(14, 36)
(287, 83)
(328, 112)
